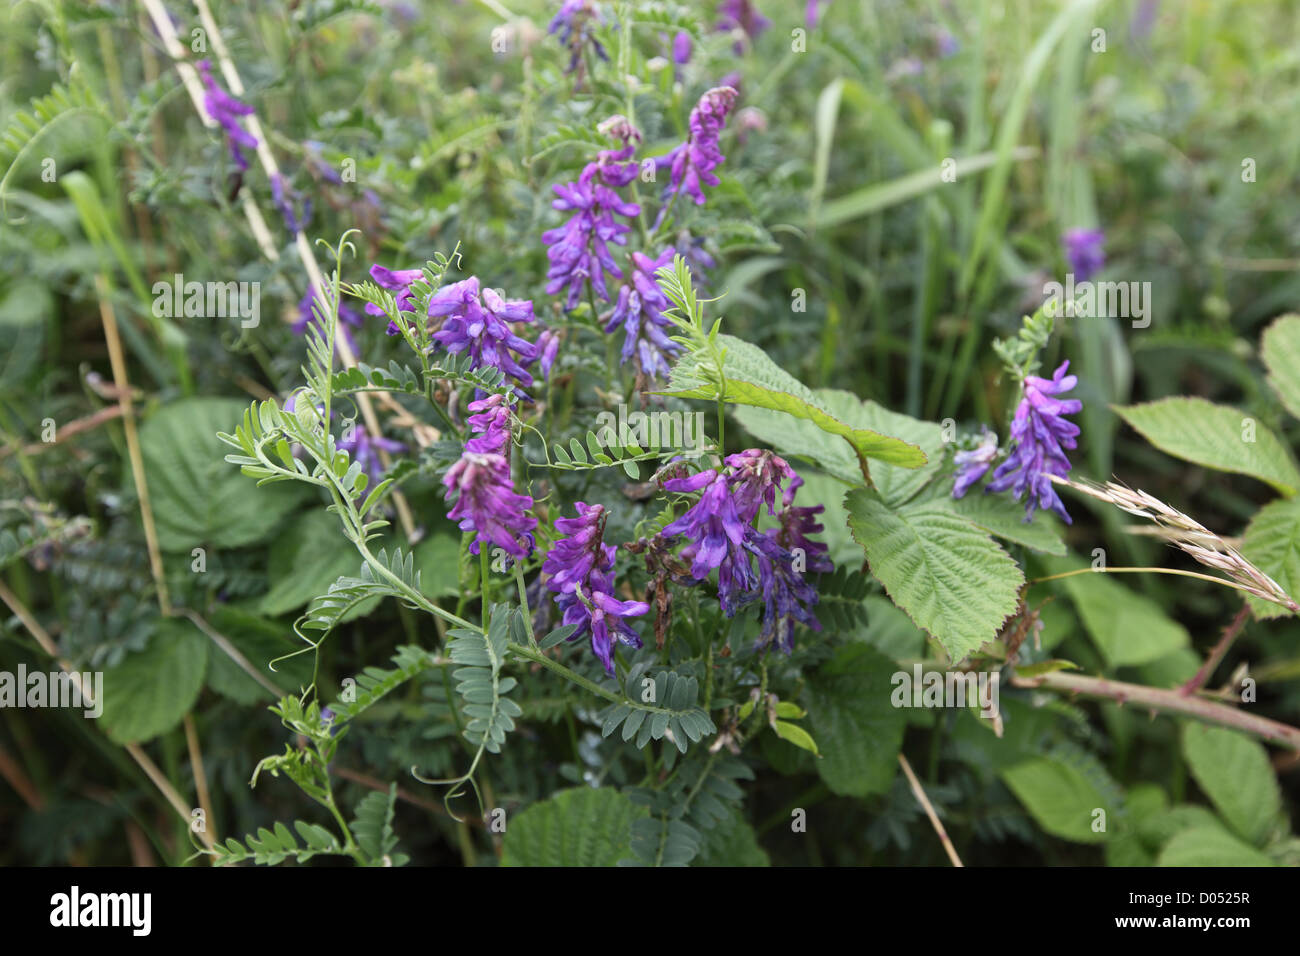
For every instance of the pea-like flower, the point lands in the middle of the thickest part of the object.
(692, 163)
(579, 250)
(1084, 251)
(639, 311)
(226, 111)
(365, 448)
(478, 322)
(579, 569)
(574, 26)
(1039, 436)
(741, 15)
(973, 463)
(481, 486)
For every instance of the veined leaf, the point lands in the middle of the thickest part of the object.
(951, 578)
(850, 713)
(1128, 628)
(896, 484)
(1235, 774)
(1059, 797)
(1215, 436)
(754, 379)
(1209, 846)
(151, 690)
(1280, 349)
(579, 827)
(1272, 543)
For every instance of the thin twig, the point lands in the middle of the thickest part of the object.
(1230, 634)
(1172, 701)
(929, 811)
(118, 362)
(200, 775)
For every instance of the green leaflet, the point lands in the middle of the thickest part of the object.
(951, 578)
(1215, 436)
(151, 690)
(1209, 846)
(583, 826)
(1127, 627)
(1272, 543)
(1061, 799)
(1280, 349)
(754, 379)
(806, 438)
(851, 717)
(1235, 774)
(197, 499)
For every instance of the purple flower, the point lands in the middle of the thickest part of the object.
(348, 316)
(1039, 435)
(743, 15)
(682, 48)
(755, 479)
(715, 531)
(491, 423)
(794, 534)
(719, 527)
(1083, 251)
(579, 249)
(945, 43)
(972, 464)
(317, 164)
(485, 498)
(399, 281)
(365, 448)
(580, 571)
(287, 200)
(812, 13)
(575, 27)
(692, 163)
(640, 312)
(478, 322)
(226, 110)
(548, 347)
(787, 596)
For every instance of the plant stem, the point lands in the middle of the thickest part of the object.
(1181, 573)
(1172, 701)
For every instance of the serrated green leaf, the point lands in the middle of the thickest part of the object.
(754, 379)
(849, 711)
(579, 827)
(1215, 436)
(950, 577)
(1209, 846)
(197, 498)
(1280, 348)
(151, 690)
(1272, 543)
(1235, 773)
(1060, 798)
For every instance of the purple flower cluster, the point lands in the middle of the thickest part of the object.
(692, 163)
(365, 448)
(1039, 436)
(477, 321)
(721, 534)
(226, 110)
(1084, 252)
(485, 500)
(288, 201)
(579, 250)
(741, 15)
(574, 27)
(640, 313)
(579, 569)
(400, 282)
(973, 463)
